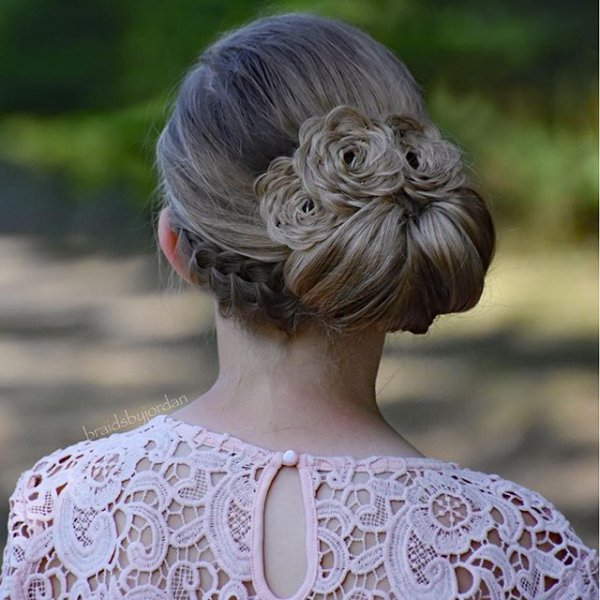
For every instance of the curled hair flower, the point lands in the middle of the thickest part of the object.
(348, 157)
(292, 216)
(343, 161)
(433, 166)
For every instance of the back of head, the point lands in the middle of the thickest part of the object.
(310, 186)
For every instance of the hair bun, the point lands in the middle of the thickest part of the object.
(345, 160)
(338, 199)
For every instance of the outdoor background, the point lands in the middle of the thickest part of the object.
(88, 332)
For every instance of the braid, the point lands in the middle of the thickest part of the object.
(244, 287)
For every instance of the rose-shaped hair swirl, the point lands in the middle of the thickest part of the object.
(433, 166)
(348, 157)
(293, 218)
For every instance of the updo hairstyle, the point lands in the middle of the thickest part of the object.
(310, 187)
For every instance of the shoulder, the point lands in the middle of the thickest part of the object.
(84, 479)
(92, 470)
(492, 523)
(503, 496)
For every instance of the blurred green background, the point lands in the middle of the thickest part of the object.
(85, 85)
(510, 387)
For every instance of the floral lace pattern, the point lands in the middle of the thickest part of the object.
(174, 511)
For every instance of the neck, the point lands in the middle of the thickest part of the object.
(311, 384)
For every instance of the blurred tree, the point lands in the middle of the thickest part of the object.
(86, 87)
(58, 56)
(102, 54)
(70, 55)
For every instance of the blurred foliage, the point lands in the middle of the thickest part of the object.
(86, 88)
(102, 55)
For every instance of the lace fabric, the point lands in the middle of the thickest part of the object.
(174, 511)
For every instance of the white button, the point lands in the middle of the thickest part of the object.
(290, 458)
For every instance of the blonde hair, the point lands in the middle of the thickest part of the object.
(310, 187)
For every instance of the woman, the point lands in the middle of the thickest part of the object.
(306, 188)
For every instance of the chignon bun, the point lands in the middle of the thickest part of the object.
(319, 191)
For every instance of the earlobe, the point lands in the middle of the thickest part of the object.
(168, 240)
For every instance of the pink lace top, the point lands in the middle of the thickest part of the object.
(175, 511)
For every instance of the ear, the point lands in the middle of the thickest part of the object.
(167, 238)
